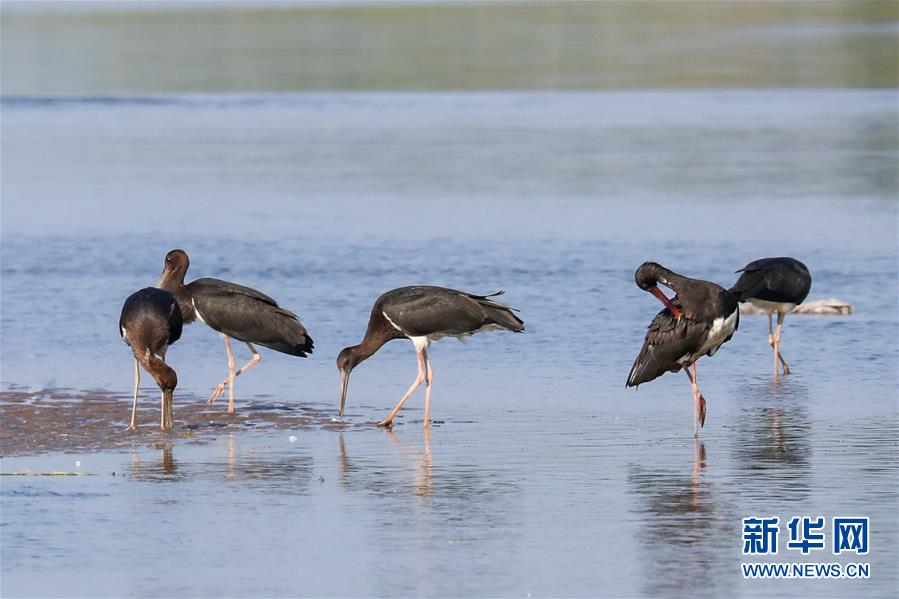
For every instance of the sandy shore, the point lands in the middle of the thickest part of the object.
(48, 420)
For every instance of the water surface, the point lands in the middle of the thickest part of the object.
(543, 475)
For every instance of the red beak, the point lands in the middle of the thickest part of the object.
(664, 299)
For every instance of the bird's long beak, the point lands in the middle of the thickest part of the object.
(163, 278)
(664, 299)
(344, 383)
(167, 418)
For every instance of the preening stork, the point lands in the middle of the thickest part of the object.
(694, 323)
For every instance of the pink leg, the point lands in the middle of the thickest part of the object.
(699, 400)
(777, 355)
(421, 376)
(429, 376)
(132, 426)
(229, 381)
(221, 386)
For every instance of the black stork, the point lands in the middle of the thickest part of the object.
(423, 314)
(150, 322)
(235, 312)
(774, 285)
(700, 318)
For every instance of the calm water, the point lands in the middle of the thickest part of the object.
(545, 476)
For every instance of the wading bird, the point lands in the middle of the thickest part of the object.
(235, 312)
(423, 315)
(774, 285)
(694, 323)
(150, 322)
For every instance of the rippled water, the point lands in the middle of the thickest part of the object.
(544, 475)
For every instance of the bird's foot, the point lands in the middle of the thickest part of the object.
(771, 341)
(388, 423)
(701, 410)
(786, 368)
(131, 429)
(216, 393)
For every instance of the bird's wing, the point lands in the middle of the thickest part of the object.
(210, 285)
(420, 311)
(774, 280)
(667, 341)
(248, 315)
(176, 322)
(755, 281)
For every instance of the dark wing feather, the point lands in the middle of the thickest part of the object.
(774, 280)
(210, 285)
(176, 321)
(667, 341)
(421, 311)
(248, 315)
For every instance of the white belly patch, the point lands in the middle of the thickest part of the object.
(721, 329)
(772, 307)
(199, 316)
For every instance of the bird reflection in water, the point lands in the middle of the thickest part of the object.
(163, 470)
(773, 438)
(276, 471)
(350, 473)
(231, 458)
(424, 464)
(682, 527)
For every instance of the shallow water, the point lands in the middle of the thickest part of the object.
(544, 475)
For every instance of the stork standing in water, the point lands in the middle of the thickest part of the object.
(694, 323)
(150, 322)
(422, 315)
(774, 285)
(235, 312)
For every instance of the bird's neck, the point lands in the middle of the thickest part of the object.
(161, 372)
(670, 279)
(370, 344)
(174, 282)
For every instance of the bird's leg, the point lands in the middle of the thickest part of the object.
(770, 332)
(772, 341)
(777, 354)
(220, 388)
(231, 376)
(699, 400)
(421, 376)
(429, 376)
(253, 361)
(132, 426)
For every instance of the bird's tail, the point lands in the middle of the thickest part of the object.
(500, 314)
(293, 339)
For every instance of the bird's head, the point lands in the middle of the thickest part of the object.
(347, 360)
(174, 268)
(164, 376)
(648, 277)
(167, 380)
